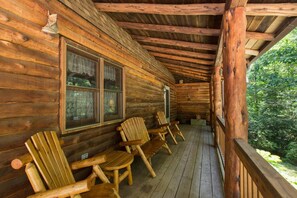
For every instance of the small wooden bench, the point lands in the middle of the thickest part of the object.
(137, 141)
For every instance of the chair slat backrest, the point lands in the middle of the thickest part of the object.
(161, 118)
(135, 129)
(50, 159)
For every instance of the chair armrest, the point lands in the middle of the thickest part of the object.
(130, 143)
(65, 191)
(156, 131)
(88, 162)
(174, 122)
(164, 125)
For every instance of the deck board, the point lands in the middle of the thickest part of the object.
(191, 171)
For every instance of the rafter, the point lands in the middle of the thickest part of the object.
(164, 9)
(170, 28)
(189, 74)
(189, 30)
(201, 68)
(261, 9)
(188, 70)
(179, 52)
(207, 72)
(186, 59)
(186, 44)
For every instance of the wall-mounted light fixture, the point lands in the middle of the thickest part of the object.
(51, 27)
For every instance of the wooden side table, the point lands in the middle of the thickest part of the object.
(115, 161)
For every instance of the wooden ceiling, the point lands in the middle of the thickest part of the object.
(185, 35)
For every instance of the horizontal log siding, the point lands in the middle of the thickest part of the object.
(30, 72)
(192, 99)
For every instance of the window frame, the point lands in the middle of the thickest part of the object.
(99, 108)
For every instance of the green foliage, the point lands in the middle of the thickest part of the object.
(272, 99)
(285, 169)
(291, 155)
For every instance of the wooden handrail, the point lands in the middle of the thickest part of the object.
(268, 180)
(221, 122)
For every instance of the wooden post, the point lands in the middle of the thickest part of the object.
(211, 102)
(217, 100)
(236, 116)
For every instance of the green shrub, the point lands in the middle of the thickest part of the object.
(291, 155)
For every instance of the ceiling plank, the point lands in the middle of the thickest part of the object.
(179, 52)
(261, 9)
(205, 70)
(186, 74)
(189, 30)
(163, 9)
(186, 59)
(186, 44)
(181, 68)
(170, 28)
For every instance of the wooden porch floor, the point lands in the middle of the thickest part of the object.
(191, 171)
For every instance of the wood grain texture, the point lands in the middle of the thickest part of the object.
(192, 99)
(266, 178)
(234, 72)
(263, 9)
(29, 81)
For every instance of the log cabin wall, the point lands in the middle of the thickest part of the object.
(30, 80)
(192, 99)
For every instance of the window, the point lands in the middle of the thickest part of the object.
(92, 87)
(112, 92)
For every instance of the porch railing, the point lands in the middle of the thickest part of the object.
(220, 124)
(257, 177)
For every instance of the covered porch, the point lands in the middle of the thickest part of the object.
(81, 68)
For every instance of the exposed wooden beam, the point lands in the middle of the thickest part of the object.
(174, 62)
(251, 52)
(190, 75)
(189, 30)
(181, 67)
(179, 52)
(163, 9)
(272, 9)
(186, 59)
(185, 44)
(189, 71)
(260, 9)
(259, 36)
(170, 28)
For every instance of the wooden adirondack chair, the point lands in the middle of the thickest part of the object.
(171, 127)
(52, 168)
(137, 141)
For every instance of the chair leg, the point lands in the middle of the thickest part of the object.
(167, 148)
(174, 140)
(180, 133)
(100, 174)
(130, 179)
(146, 162)
(116, 179)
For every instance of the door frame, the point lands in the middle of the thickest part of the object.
(166, 88)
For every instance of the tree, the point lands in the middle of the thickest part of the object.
(272, 98)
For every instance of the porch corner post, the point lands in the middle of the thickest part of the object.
(217, 100)
(236, 116)
(211, 100)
